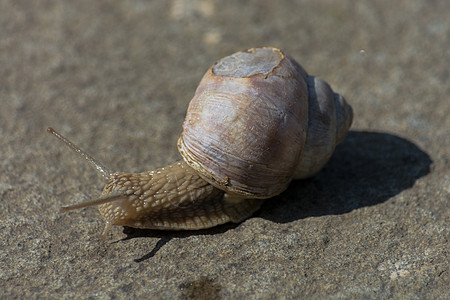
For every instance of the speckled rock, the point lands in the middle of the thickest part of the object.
(116, 77)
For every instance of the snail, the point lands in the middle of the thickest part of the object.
(256, 122)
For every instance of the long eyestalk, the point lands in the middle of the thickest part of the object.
(101, 200)
(105, 172)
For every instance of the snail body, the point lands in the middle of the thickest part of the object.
(256, 122)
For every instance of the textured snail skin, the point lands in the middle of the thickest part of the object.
(174, 197)
(256, 122)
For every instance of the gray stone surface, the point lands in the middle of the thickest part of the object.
(117, 77)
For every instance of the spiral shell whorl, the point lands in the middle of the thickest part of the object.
(253, 111)
(257, 121)
(329, 120)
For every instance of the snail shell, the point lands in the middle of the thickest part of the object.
(257, 121)
(250, 118)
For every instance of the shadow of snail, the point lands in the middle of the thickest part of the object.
(367, 169)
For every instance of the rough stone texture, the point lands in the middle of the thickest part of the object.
(117, 76)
